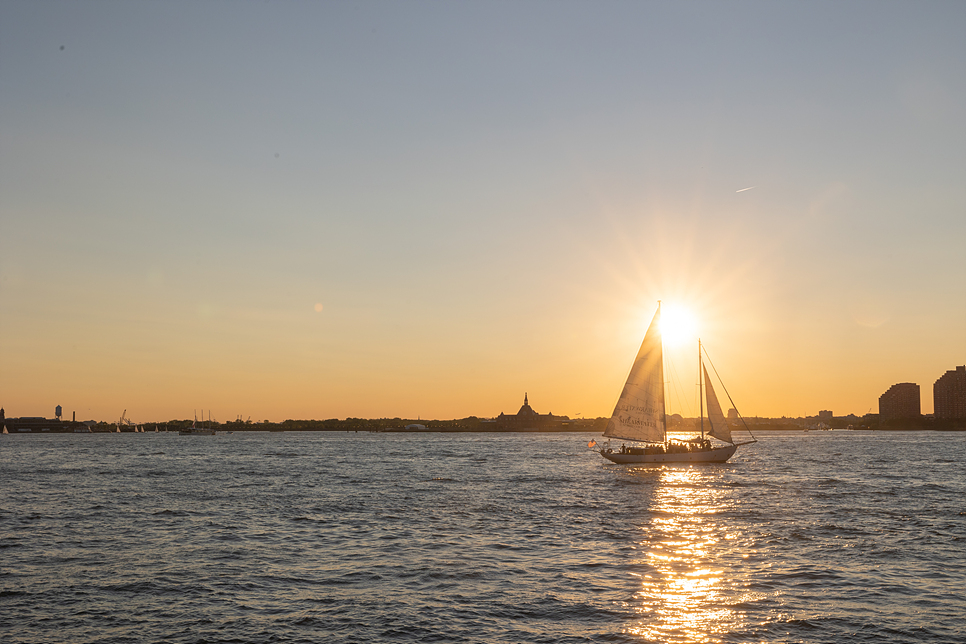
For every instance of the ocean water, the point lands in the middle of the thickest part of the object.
(337, 537)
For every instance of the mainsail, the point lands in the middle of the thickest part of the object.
(639, 414)
(719, 425)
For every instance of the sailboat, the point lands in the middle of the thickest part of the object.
(640, 414)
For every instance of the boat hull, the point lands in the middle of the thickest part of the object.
(717, 455)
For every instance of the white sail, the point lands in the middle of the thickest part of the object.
(639, 414)
(719, 425)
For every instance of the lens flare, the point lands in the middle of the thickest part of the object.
(678, 325)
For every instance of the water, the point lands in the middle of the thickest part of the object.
(335, 537)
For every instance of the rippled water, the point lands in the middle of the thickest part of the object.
(325, 537)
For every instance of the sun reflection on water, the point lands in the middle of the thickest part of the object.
(683, 595)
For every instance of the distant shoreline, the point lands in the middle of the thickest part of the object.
(471, 424)
(444, 430)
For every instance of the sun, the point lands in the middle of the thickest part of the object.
(678, 325)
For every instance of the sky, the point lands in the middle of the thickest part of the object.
(426, 209)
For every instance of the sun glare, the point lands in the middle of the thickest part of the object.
(678, 325)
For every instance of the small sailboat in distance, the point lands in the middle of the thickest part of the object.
(640, 414)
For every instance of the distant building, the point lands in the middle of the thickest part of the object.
(732, 414)
(528, 419)
(900, 401)
(31, 424)
(949, 394)
(825, 415)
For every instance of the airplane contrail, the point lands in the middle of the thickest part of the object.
(743, 189)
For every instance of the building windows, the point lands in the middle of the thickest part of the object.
(900, 401)
(949, 395)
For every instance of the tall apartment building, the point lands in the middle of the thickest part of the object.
(900, 401)
(949, 394)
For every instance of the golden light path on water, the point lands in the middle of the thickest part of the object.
(684, 595)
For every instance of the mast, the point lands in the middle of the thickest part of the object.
(700, 392)
(663, 397)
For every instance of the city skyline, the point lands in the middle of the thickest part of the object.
(424, 210)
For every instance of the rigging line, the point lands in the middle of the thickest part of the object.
(674, 384)
(733, 405)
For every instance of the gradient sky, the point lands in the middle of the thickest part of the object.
(318, 210)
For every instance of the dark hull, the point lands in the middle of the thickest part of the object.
(717, 455)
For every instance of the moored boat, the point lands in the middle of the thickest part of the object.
(194, 430)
